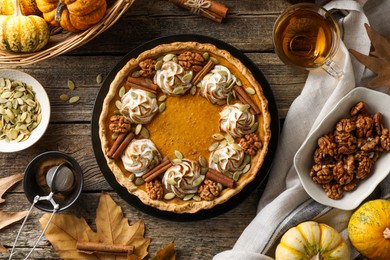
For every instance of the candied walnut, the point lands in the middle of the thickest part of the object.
(370, 144)
(378, 123)
(346, 125)
(327, 145)
(322, 158)
(147, 68)
(191, 61)
(385, 140)
(359, 108)
(351, 185)
(155, 190)
(251, 143)
(119, 124)
(333, 190)
(346, 142)
(364, 166)
(343, 171)
(209, 190)
(364, 126)
(321, 174)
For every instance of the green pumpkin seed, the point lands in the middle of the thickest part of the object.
(99, 79)
(246, 168)
(178, 154)
(138, 129)
(197, 198)
(71, 85)
(169, 196)
(188, 197)
(250, 91)
(150, 94)
(162, 98)
(122, 91)
(198, 181)
(133, 95)
(158, 64)
(236, 175)
(236, 146)
(168, 57)
(239, 83)
(247, 158)
(139, 181)
(204, 170)
(178, 90)
(218, 137)
(187, 77)
(254, 127)
(74, 99)
(176, 161)
(136, 74)
(229, 138)
(171, 182)
(214, 146)
(63, 97)
(214, 60)
(215, 158)
(202, 161)
(243, 108)
(161, 107)
(118, 104)
(193, 90)
(132, 177)
(114, 136)
(206, 55)
(145, 132)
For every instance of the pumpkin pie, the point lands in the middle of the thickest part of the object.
(184, 127)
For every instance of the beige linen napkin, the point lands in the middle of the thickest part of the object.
(284, 202)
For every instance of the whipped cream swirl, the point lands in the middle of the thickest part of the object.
(180, 178)
(140, 106)
(217, 85)
(173, 79)
(230, 160)
(237, 120)
(140, 156)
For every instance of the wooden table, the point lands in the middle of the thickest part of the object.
(248, 27)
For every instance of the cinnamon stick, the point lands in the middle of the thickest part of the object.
(141, 84)
(206, 69)
(156, 171)
(94, 247)
(116, 144)
(123, 145)
(245, 98)
(217, 176)
(206, 8)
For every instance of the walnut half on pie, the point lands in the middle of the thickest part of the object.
(184, 127)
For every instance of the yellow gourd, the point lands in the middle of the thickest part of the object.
(369, 229)
(311, 240)
(72, 15)
(19, 33)
(28, 7)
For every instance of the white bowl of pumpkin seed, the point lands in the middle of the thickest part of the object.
(24, 110)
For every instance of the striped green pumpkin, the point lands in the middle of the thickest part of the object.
(19, 33)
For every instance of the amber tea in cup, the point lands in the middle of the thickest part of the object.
(307, 36)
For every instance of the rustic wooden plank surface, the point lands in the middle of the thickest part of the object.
(248, 27)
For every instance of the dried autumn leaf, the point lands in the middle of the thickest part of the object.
(167, 253)
(112, 228)
(379, 59)
(3, 249)
(7, 218)
(8, 182)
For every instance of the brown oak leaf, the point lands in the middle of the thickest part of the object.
(167, 253)
(111, 228)
(8, 182)
(379, 59)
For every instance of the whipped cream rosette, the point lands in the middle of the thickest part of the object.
(237, 120)
(140, 105)
(173, 79)
(141, 156)
(217, 85)
(180, 178)
(229, 160)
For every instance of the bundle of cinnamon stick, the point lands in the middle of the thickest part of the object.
(207, 8)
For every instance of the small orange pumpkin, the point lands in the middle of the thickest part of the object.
(72, 15)
(369, 229)
(28, 7)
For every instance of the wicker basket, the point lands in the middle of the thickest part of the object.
(62, 42)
